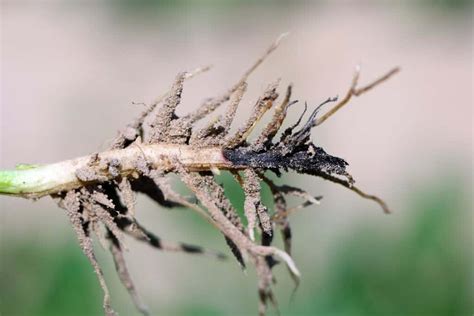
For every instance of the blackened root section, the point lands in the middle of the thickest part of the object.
(307, 159)
(295, 151)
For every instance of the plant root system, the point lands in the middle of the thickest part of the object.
(99, 191)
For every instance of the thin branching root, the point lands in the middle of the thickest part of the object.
(99, 191)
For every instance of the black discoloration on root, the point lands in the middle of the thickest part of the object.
(294, 151)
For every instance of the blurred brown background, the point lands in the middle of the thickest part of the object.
(70, 71)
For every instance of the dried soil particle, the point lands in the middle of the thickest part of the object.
(89, 174)
(161, 124)
(71, 203)
(253, 206)
(263, 105)
(215, 132)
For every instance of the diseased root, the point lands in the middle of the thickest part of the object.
(103, 191)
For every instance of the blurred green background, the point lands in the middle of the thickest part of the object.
(70, 68)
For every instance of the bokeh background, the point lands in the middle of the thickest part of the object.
(70, 71)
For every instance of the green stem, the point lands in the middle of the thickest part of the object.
(37, 181)
(34, 180)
